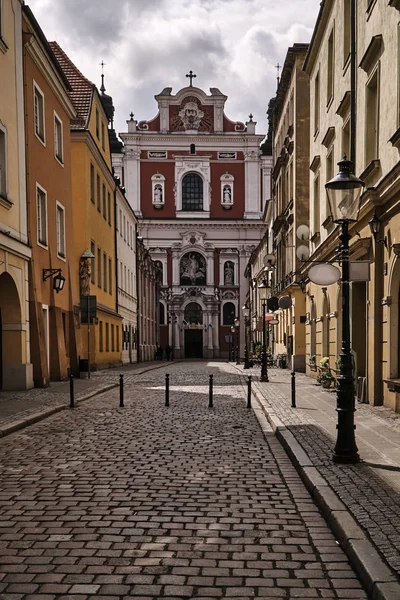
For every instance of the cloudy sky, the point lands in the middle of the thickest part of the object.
(147, 45)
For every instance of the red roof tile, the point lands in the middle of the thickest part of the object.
(82, 89)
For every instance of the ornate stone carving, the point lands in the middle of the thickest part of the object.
(85, 271)
(193, 269)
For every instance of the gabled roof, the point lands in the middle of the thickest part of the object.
(82, 90)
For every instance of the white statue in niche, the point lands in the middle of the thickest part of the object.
(227, 194)
(157, 194)
(228, 273)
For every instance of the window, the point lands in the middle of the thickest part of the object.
(372, 118)
(110, 276)
(316, 103)
(41, 206)
(192, 192)
(329, 175)
(347, 31)
(162, 314)
(316, 204)
(97, 124)
(120, 222)
(331, 68)
(112, 338)
(58, 139)
(92, 182)
(101, 341)
(107, 337)
(105, 271)
(109, 207)
(346, 138)
(192, 148)
(98, 267)
(121, 282)
(60, 217)
(117, 338)
(104, 202)
(125, 280)
(103, 144)
(98, 193)
(228, 313)
(3, 163)
(38, 103)
(124, 229)
(129, 282)
(93, 251)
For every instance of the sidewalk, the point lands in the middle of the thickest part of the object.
(22, 408)
(361, 502)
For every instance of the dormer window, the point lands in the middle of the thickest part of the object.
(227, 182)
(158, 190)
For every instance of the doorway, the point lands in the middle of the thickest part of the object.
(193, 343)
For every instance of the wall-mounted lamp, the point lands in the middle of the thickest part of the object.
(263, 285)
(396, 249)
(58, 279)
(375, 225)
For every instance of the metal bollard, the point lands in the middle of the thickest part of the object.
(167, 390)
(249, 391)
(293, 389)
(210, 392)
(71, 392)
(121, 390)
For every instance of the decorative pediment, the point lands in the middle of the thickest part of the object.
(193, 238)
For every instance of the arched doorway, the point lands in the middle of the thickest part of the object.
(11, 342)
(193, 322)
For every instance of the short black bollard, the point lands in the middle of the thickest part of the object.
(167, 390)
(210, 392)
(293, 389)
(71, 392)
(249, 391)
(121, 390)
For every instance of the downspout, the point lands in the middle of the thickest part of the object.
(138, 305)
(353, 70)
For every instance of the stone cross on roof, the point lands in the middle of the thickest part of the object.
(191, 75)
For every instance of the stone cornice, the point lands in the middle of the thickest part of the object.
(231, 137)
(208, 225)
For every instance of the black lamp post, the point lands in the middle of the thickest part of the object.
(231, 346)
(264, 369)
(237, 341)
(344, 192)
(246, 313)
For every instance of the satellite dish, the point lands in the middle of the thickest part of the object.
(272, 303)
(324, 274)
(285, 302)
(303, 252)
(303, 232)
(269, 260)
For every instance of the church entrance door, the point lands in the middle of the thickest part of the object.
(193, 343)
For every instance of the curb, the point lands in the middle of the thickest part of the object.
(48, 412)
(377, 578)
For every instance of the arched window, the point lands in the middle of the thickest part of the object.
(162, 314)
(228, 313)
(193, 269)
(192, 192)
(229, 273)
(193, 314)
(160, 271)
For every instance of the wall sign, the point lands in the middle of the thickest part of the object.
(151, 154)
(226, 155)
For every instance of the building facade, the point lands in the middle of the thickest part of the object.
(93, 187)
(370, 137)
(16, 370)
(48, 114)
(197, 182)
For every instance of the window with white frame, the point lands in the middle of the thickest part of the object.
(3, 163)
(227, 181)
(38, 104)
(372, 118)
(158, 190)
(60, 217)
(331, 68)
(316, 103)
(41, 210)
(58, 139)
(192, 192)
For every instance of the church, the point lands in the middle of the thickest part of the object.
(198, 183)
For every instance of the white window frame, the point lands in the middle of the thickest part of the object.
(58, 156)
(3, 172)
(45, 244)
(60, 228)
(36, 89)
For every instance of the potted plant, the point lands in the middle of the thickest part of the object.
(313, 362)
(324, 362)
(325, 378)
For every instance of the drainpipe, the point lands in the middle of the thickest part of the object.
(353, 68)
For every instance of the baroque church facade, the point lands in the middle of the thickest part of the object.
(198, 183)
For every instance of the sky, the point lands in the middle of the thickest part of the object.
(148, 45)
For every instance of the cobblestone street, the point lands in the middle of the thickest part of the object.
(150, 502)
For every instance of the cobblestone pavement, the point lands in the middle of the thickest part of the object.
(148, 502)
(370, 490)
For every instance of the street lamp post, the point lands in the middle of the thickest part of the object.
(264, 369)
(246, 313)
(237, 354)
(231, 348)
(344, 192)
